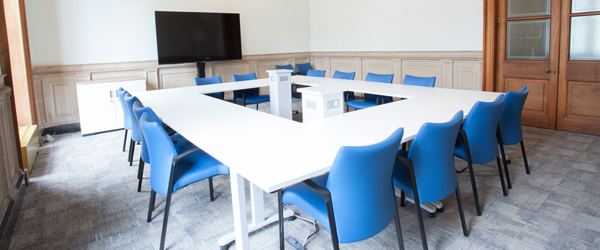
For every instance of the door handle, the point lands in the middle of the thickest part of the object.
(547, 70)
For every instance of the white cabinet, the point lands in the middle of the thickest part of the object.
(99, 105)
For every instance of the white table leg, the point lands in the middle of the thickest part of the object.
(258, 215)
(238, 198)
(430, 207)
(258, 205)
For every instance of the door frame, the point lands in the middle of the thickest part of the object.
(492, 67)
(490, 44)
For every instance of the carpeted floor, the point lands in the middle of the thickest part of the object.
(83, 195)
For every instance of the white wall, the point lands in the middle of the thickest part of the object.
(65, 32)
(396, 25)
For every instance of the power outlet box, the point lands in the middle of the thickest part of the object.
(331, 104)
(311, 104)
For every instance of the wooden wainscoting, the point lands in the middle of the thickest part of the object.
(56, 97)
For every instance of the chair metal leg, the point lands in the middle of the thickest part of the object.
(461, 211)
(151, 206)
(257, 106)
(280, 209)
(140, 174)
(125, 140)
(504, 191)
(503, 157)
(165, 221)
(397, 222)
(210, 188)
(471, 172)
(131, 152)
(332, 227)
(525, 157)
(402, 199)
(418, 207)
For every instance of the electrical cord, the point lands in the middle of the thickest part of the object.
(311, 233)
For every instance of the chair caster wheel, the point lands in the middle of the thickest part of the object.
(431, 215)
(291, 218)
(224, 247)
(440, 210)
(508, 161)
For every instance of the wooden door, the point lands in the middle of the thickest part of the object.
(579, 84)
(528, 55)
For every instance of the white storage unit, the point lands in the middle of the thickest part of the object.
(99, 105)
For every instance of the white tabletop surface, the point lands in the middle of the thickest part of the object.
(274, 152)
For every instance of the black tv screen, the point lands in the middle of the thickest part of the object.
(183, 37)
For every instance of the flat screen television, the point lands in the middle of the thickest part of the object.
(184, 37)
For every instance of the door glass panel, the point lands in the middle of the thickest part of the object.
(521, 8)
(528, 40)
(580, 6)
(585, 38)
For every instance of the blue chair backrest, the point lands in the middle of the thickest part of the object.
(303, 68)
(246, 77)
(135, 127)
(288, 66)
(126, 118)
(510, 117)
(344, 75)
(360, 183)
(419, 81)
(315, 73)
(432, 155)
(161, 151)
(211, 80)
(481, 125)
(371, 77)
(138, 110)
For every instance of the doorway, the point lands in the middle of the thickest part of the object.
(553, 47)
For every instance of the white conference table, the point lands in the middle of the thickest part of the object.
(273, 153)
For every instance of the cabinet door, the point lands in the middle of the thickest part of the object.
(97, 107)
(131, 86)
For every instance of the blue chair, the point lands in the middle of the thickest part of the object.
(248, 96)
(302, 68)
(211, 80)
(126, 118)
(419, 81)
(477, 142)
(348, 95)
(315, 73)
(371, 100)
(172, 170)
(181, 144)
(288, 66)
(360, 183)
(510, 132)
(135, 130)
(429, 168)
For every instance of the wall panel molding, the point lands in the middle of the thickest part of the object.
(453, 69)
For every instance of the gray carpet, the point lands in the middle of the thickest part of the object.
(83, 195)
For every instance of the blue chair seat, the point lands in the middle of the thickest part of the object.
(401, 175)
(370, 99)
(361, 104)
(254, 99)
(196, 166)
(309, 201)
